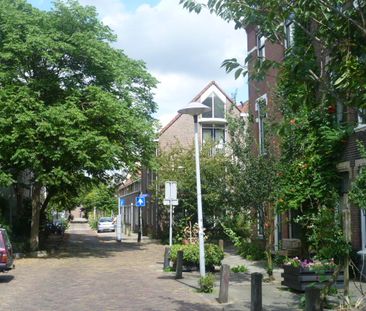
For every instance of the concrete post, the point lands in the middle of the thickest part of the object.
(221, 244)
(166, 258)
(224, 284)
(312, 299)
(179, 267)
(256, 291)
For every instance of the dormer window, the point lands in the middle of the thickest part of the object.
(217, 107)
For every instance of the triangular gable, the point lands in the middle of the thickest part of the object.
(212, 86)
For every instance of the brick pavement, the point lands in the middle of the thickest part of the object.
(93, 272)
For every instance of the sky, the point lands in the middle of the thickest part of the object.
(183, 50)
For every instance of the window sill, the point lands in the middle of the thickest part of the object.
(360, 128)
(213, 120)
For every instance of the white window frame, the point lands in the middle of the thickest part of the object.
(363, 228)
(261, 47)
(361, 120)
(212, 111)
(289, 32)
(213, 127)
(360, 165)
(260, 122)
(260, 222)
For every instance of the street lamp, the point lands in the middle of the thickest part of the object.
(195, 109)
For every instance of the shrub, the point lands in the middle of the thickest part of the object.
(206, 283)
(251, 251)
(191, 254)
(93, 222)
(239, 268)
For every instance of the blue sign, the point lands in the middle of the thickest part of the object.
(122, 202)
(140, 201)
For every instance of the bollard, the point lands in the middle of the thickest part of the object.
(256, 292)
(166, 258)
(221, 244)
(312, 299)
(224, 284)
(179, 267)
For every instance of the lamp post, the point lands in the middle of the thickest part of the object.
(195, 109)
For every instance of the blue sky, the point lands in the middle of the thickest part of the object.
(183, 50)
(130, 5)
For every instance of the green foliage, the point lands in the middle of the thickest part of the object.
(279, 260)
(178, 164)
(93, 222)
(313, 80)
(191, 255)
(239, 268)
(206, 283)
(252, 251)
(100, 197)
(72, 107)
(325, 235)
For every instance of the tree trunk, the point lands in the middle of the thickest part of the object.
(36, 211)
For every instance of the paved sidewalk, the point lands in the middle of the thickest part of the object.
(275, 296)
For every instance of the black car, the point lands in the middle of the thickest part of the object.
(6, 252)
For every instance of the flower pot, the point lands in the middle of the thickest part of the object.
(298, 278)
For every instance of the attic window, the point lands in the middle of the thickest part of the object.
(217, 107)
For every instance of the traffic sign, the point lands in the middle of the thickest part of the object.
(122, 202)
(140, 201)
(172, 202)
(170, 190)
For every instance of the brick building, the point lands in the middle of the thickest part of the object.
(212, 126)
(263, 93)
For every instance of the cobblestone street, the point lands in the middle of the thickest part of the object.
(94, 272)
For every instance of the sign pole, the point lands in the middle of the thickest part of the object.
(118, 224)
(131, 218)
(171, 225)
(139, 232)
(170, 199)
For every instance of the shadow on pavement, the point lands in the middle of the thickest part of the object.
(6, 278)
(86, 243)
(181, 305)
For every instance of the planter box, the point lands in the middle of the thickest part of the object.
(299, 278)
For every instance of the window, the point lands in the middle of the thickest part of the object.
(363, 228)
(289, 32)
(261, 42)
(361, 117)
(260, 222)
(215, 133)
(217, 107)
(261, 108)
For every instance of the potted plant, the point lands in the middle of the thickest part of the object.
(298, 274)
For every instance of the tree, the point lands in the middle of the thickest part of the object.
(71, 105)
(253, 181)
(178, 165)
(100, 197)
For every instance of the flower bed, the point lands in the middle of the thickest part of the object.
(300, 274)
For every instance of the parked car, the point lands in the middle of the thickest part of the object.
(106, 224)
(57, 227)
(6, 252)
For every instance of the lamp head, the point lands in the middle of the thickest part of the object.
(194, 109)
